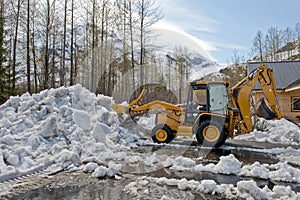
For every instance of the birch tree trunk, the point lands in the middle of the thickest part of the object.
(28, 47)
(63, 68)
(15, 44)
(46, 70)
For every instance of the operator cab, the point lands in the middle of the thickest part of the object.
(211, 97)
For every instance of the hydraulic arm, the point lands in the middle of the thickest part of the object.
(240, 96)
(136, 107)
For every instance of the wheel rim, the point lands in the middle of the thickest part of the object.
(211, 133)
(161, 135)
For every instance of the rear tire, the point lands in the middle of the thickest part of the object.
(162, 133)
(211, 134)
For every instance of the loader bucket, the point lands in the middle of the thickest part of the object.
(264, 111)
(120, 108)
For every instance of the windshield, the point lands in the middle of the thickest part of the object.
(218, 98)
(197, 98)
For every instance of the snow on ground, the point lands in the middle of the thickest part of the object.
(278, 131)
(247, 189)
(70, 126)
(281, 171)
(243, 190)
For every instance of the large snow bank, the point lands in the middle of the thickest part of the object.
(277, 131)
(61, 126)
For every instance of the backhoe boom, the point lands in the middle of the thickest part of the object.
(241, 92)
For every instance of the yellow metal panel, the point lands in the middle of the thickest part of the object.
(120, 108)
(184, 131)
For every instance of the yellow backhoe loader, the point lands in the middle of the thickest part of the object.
(212, 112)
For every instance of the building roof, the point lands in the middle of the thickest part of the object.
(286, 73)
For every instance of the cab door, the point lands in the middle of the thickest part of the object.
(196, 103)
(217, 98)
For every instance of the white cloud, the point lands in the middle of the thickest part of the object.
(182, 17)
(164, 24)
(179, 18)
(170, 38)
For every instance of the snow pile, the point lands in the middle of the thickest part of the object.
(277, 131)
(243, 190)
(226, 165)
(180, 163)
(60, 126)
(150, 161)
(250, 190)
(256, 170)
(205, 186)
(281, 171)
(147, 122)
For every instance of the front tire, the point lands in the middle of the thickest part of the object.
(211, 134)
(162, 133)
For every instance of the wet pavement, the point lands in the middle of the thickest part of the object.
(208, 155)
(244, 155)
(81, 186)
(76, 185)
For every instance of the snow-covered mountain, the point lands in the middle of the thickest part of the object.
(170, 40)
(171, 43)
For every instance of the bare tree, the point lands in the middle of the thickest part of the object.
(94, 45)
(32, 39)
(15, 42)
(28, 47)
(72, 45)
(2, 53)
(236, 58)
(149, 13)
(288, 36)
(273, 41)
(258, 45)
(2, 20)
(46, 65)
(131, 22)
(54, 34)
(297, 30)
(103, 45)
(63, 67)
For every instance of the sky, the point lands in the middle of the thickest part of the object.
(224, 26)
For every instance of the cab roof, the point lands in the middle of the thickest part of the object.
(195, 83)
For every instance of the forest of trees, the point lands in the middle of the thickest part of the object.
(52, 43)
(100, 44)
(266, 45)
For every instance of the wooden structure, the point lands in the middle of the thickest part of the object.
(287, 79)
